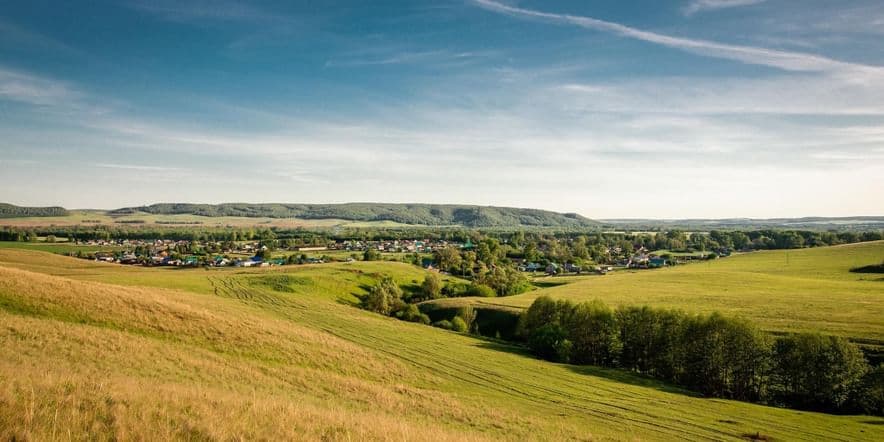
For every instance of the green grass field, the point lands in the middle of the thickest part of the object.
(103, 351)
(98, 217)
(782, 291)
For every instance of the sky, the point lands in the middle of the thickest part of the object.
(611, 109)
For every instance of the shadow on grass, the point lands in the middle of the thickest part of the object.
(548, 284)
(612, 374)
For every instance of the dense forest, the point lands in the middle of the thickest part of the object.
(418, 214)
(12, 211)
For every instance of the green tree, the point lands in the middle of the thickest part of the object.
(593, 331)
(448, 258)
(384, 297)
(371, 255)
(431, 288)
(550, 342)
(816, 372)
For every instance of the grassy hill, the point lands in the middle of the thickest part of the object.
(102, 351)
(412, 214)
(781, 290)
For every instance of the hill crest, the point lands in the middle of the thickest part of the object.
(404, 213)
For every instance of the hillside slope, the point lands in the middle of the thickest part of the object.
(230, 358)
(415, 214)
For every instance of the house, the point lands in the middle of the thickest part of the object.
(656, 262)
(571, 268)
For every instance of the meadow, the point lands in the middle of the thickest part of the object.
(780, 290)
(102, 351)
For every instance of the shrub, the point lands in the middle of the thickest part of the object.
(411, 313)
(455, 289)
(480, 290)
(459, 325)
(371, 255)
(446, 324)
(468, 315)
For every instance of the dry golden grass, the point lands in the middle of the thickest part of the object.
(85, 360)
(123, 362)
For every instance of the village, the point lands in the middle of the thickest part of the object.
(188, 253)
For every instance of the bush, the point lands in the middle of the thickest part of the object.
(446, 324)
(468, 315)
(411, 313)
(455, 289)
(371, 255)
(481, 290)
(459, 325)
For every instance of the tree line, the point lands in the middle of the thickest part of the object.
(715, 355)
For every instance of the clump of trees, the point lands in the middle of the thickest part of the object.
(387, 298)
(488, 265)
(712, 354)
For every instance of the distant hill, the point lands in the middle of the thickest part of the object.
(812, 223)
(12, 211)
(416, 214)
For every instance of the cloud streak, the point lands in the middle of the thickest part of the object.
(785, 60)
(31, 89)
(696, 6)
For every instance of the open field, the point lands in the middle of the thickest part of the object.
(98, 217)
(59, 247)
(782, 291)
(124, 352)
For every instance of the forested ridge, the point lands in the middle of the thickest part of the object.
(13, 211)
(419, 214)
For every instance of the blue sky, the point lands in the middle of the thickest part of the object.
(689, 108)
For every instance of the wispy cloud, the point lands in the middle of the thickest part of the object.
(20, 37)
(138, 167)
(214, 10)
(696, 6)
(790, 61)
(434, 57)
(32, 89)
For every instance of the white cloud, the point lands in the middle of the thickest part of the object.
(786, 60)
(696, 6)
(32, 89)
